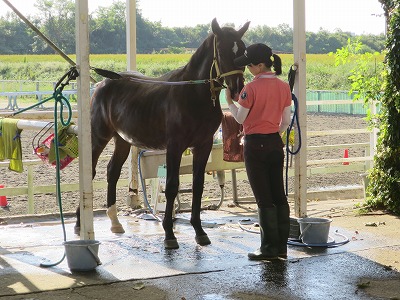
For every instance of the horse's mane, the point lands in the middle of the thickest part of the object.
(203, 49)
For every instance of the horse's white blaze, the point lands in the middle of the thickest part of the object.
(235, 48)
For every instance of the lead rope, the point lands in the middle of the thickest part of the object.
(295, 118)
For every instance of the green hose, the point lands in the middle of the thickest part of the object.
(59, 98)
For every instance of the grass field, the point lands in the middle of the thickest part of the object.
(322, 74)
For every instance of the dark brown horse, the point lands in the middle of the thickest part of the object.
(176, 111)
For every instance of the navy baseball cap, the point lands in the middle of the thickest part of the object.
(254, 54)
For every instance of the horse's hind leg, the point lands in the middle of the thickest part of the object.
(121, 152)
(200, 157)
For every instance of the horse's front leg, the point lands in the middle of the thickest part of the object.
(121, 152)
(173, 160)
(200, 157)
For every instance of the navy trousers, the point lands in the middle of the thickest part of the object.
(264, 157)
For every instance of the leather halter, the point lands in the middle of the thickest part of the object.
(215, 65)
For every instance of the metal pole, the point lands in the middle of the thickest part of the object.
(84, 129)
(234, 188)
(132, 199)
(299, 52)
(39, 125)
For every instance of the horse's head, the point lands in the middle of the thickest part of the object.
(228, 46)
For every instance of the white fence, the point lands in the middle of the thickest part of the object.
(31, 189)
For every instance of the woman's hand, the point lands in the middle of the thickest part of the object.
(228, 96)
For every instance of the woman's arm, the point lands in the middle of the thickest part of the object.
(239, 113)
(285, 119)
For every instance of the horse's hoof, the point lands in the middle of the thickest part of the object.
(203, 240)
(117, 229)
(171, 244)
(77, 230)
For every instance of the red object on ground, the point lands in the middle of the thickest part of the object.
(346, 155)
(3, 199)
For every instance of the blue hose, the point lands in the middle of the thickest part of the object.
(291, 79)
(300, 243)
(295, 118)
(326, 245)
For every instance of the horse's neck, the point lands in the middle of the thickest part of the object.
(200, 63)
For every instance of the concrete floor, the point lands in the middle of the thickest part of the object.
(135, 264)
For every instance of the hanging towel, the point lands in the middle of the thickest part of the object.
(10, 144)
(231, 137)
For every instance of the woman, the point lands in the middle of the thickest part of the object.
(264, 110)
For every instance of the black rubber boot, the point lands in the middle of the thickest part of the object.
(283, 213)
(268, 220)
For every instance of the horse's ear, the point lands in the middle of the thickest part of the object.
(242, 30)
(215, 27)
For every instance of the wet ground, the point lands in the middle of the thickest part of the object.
(136, 266)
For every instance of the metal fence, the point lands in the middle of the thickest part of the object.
(351, 108)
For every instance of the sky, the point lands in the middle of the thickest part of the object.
(357, 16)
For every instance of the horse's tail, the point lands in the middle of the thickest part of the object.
(107, 73)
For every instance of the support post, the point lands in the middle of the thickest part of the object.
(84, 130)
(132, 199)
(299, 52)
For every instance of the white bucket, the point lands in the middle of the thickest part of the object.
(82, 255)
(314, 230)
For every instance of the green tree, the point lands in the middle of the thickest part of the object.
(384, 186)
(57, 22)
(14, 36)
(191, 37)
(373, 43)
(108, 29)
(279, 38)
(366, 75)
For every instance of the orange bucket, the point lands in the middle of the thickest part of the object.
(3, 199)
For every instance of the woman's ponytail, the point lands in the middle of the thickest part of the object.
(277, 64)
